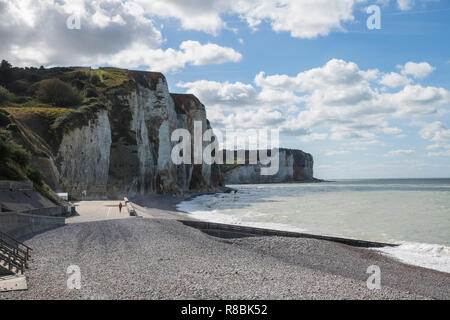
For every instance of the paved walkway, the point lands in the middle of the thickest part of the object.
(158, 207)
(98, 210)
(155, 213)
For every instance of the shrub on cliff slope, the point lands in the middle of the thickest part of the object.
(58, 93)
(6, 73)
(9, 152)
(15, 162)
(5, 95)
(35, 175)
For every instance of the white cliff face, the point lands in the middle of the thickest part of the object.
(155, 109)
(308, 167)
(191, 115)
(243, 174)
(126, 149)
(294, 165)
(154, 116)
(140, 116)
(83, 157)
(286, 168)
(166, 168)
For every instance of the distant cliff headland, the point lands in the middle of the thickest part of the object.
(107, 132)
(294, 166)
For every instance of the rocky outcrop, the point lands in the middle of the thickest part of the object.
(121, 145)
(118, 143)
(83, 157)
(136, 157)
(294, 166)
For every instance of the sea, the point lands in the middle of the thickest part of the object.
(414, 213)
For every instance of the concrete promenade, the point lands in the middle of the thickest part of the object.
(98, 211)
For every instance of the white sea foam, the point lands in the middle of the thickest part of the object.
(201, 213)
(432, 256)
(411, 214)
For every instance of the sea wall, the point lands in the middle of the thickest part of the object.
(21, 224)
(20, 196)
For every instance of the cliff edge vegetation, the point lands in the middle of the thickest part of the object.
(100, 132)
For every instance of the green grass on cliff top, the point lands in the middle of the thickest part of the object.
(49, 114)
(99, 80)
(108, 77)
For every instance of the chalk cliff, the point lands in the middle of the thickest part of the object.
(294, 166)
(117, 141)
(120, 144)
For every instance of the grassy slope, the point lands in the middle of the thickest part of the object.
(35, 127)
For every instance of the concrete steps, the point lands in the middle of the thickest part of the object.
(5, 265)
(14, 255)
(13, 283)
(4, 252)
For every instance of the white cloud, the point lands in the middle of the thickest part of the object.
(437, 146)
(225, 94)
(39, 27)
(191, 52)
(435, 131)
(313, 137)
(209, 53)
(193, 15)
(338, 97)
(383, 2)
(439, 154)
(394, 80)
(417, 70)
(337, 153)
(34, 32)
(401, 152)
(388, 130)
(303, 19)
(360, 148)
(112, 32)
(405, 4)
(439, 133)
(247, 119)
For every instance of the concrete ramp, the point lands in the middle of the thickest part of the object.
(99, 210)
(20, 196)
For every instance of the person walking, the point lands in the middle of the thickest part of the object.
(120, 207)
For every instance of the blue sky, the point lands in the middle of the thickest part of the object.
(418, 35)
(366, 103)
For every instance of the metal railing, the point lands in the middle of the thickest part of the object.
(13, 253)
